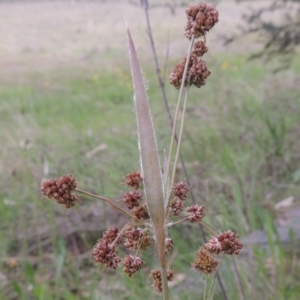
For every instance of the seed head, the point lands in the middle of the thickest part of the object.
(137, 238)
(199, 49)
(169, 245)
(132, 264)
(205, 262)
(133, 179)
(60, 189)
(200, 19)
(180, 190)
(104, 253)
(132, 199)
(226, 242)
(196, 213)
(141, 212)
(155, 275)
(176, 206)
(111, 234)
(196, 74)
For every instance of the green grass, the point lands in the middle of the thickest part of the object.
(241, 147)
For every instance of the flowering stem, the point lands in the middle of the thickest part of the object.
(178, 222)
(106, 200)
(176, 116)
(180, 134)
(208, 228)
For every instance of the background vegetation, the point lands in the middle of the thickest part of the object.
(66, 107)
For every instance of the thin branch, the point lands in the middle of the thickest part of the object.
(108, 201)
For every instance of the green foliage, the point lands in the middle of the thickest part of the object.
(241, 141)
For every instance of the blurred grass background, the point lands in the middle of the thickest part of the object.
(66, 107)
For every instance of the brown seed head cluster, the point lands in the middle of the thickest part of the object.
(133, 179)
(137, 238)
(196, 74)
(200, 19)
(132, 264)
(169, 245)
(61, 189)
(180, 190)
(176, 206)
(111, 235)
(205, 262)
(199, 49)
(132, 199)
(155, 275)
(141, 212)
(105, 253)
(226, 242)
(196, 213)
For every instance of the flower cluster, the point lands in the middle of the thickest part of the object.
(195, 213)
(137, 238)
(155, 275)
(180, 192)
(226, 243)
(132, 264)
(133, 179)
(205, 262)
(132, 199)
(61, 189)
(200, 19)
(132, 237)
(104, 252)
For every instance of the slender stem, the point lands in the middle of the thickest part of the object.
(120, 233)
(205, 288)
(165, 283)
(210, 292)
(177, 222)
(240, 284)
(180, 135)
(208, 228)
(108, 201)
(177, 111)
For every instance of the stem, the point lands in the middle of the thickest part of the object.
(108, 201)
(208, 228)
(177, 222)
(177, 111)
(120, 233)
(164, 283)
(180, 135)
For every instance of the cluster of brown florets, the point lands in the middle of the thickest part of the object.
(133, 199)
(131, 237)
(61, 190)
(104, 252)
(200, 19)
(195, 213)
(155, 275)
(225, 243)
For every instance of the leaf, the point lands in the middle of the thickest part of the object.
(149, 158)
